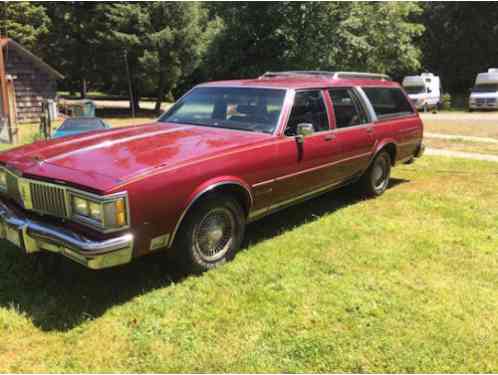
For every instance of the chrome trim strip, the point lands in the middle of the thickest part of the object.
(363, 97)
(199, 195)
(62, 236)
(275, 207)
(311, 169)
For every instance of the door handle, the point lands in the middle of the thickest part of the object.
(329, 137)
(370, 130)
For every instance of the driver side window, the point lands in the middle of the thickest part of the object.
(309, 108)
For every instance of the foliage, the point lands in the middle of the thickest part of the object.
(446, 101)
(163, 42)
(25, 22)
(172, 46)
(336, 284)
(329, 36)
(74, 45)
(460, 41)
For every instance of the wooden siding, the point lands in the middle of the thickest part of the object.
(31, 85)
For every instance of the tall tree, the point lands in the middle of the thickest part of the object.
(460, 41)
(164, 42)
(310, 35)
(73, 44)
(25, 22)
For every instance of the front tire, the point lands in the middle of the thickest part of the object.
(376, 179)
(211, 233)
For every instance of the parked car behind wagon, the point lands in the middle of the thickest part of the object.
(78, 125)
(227, 153)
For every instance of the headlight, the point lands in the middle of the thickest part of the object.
(80, 206)
(3, 180)
(110, 213)
(95, 211)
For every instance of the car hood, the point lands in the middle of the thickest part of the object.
(101, 160)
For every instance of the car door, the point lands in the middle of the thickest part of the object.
(308, 165)
(354, 131)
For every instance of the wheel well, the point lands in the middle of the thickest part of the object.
(236, 191)
(233, 189)
(391, 149)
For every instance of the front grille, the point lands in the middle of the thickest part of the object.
(48, 199)
(491, 100)
(13, 188)
(480, 101)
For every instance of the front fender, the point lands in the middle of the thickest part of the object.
(206, 187)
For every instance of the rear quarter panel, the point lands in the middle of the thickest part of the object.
(407, 133)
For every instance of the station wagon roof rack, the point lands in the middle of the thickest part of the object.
(322, 73)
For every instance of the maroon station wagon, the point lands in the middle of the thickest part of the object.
(227, 153)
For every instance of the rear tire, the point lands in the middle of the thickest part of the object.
(375, 180)
(211, 233)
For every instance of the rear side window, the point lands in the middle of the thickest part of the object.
(388, 102)
(347, 108)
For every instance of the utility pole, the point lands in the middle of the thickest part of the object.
(130, 88)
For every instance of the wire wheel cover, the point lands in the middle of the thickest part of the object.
(214, 234)
(380, 173)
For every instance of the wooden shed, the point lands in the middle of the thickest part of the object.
(25, 82)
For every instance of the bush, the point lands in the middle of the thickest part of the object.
(446, 101)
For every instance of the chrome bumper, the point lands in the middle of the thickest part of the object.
(33, 236)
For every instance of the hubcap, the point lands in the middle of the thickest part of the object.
(214, 234)
(380, 174)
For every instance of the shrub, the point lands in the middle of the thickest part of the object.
(446, 101)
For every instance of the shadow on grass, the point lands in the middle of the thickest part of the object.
(72, 295)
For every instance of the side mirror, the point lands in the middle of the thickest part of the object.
(303, 130)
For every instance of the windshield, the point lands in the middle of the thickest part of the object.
(241, 108)
(81, 124)
(415, 89)
(485, 88)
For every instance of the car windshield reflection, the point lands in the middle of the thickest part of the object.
(248, 109)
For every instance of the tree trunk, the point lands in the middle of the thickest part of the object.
(160, 92)
(136, 99)
(83, 88)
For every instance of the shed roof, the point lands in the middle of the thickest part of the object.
(10, 43)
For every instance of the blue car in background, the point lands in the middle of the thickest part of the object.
(77, 125)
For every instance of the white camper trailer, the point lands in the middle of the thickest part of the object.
(424, 90)
(484, 94)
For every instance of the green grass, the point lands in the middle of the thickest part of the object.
(407, 282)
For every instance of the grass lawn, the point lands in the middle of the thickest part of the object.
(407, 282)
(462, 145)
